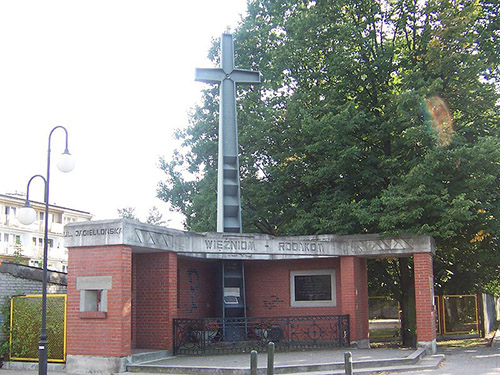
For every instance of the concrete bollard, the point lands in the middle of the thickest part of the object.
(348, 363)
(253, 362)
(270, 358)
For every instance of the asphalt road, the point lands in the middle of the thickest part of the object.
(465, 361)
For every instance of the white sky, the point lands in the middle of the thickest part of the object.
(119, 75)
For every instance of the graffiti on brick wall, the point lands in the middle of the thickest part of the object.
(194, 295)
(272, 302)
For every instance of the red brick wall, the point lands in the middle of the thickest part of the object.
(134, 303)
(197, 285)
(424, 283)
(154, 299)
(268, 287)
(113, 333)
(355, 295)
(363, 298)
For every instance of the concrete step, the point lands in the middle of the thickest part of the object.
(148, 356)
(414, 362)
(427, 363)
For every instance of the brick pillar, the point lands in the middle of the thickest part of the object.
(102, 335)
(362, 298)
(171, 292)
(424, 301)
(354, 297)
(155, 299)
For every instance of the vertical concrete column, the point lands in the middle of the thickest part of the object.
(98, 308)
(424, 301)
(355, 297)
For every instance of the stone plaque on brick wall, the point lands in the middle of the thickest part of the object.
(313, 287)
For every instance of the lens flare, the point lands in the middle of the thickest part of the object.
(441, 122)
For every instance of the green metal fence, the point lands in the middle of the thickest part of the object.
(25, 323)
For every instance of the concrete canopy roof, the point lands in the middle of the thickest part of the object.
(143, 237)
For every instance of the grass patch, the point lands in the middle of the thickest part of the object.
(464, 343)
(476, 342)
(384, 334)
(385, 345)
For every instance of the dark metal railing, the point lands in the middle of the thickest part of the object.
(236, 335)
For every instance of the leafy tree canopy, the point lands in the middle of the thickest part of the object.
(154, 215)
(373, 117)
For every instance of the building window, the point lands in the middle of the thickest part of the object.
(41, 215)
(313, 288)
(69, 219)
(40, 242)
(94, 293)
(9, 210)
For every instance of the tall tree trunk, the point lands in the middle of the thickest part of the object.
(407, 302)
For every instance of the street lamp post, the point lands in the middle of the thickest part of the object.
(27, 216)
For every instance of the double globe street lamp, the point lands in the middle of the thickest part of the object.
(27, 215)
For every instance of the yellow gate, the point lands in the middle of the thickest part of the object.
(458, 314)
(25, 323)
(455, 315)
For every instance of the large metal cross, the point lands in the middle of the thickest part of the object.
(228, 174)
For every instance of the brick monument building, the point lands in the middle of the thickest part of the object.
(134, 286)
(128, 281)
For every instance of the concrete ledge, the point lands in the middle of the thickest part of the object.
(145, 237)
(429, 346)
(427, 363)
(371, 365)
(430, 362)
(361, 344)
(52, 367)
(92, 315)
(33, 273)
(84, 365)
(148, 356)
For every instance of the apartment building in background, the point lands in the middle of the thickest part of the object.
(24, 243)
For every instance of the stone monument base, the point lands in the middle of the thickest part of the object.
(429, 346)
(84, 364)
(361, 344)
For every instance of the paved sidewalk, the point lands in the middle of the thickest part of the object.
(459, 361)
(281, 359)
(286, 358)
(465, 361)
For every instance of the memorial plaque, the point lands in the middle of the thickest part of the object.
(313, 287)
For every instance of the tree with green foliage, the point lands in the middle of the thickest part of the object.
(127, 213)
(155, 217)
(373, 117)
